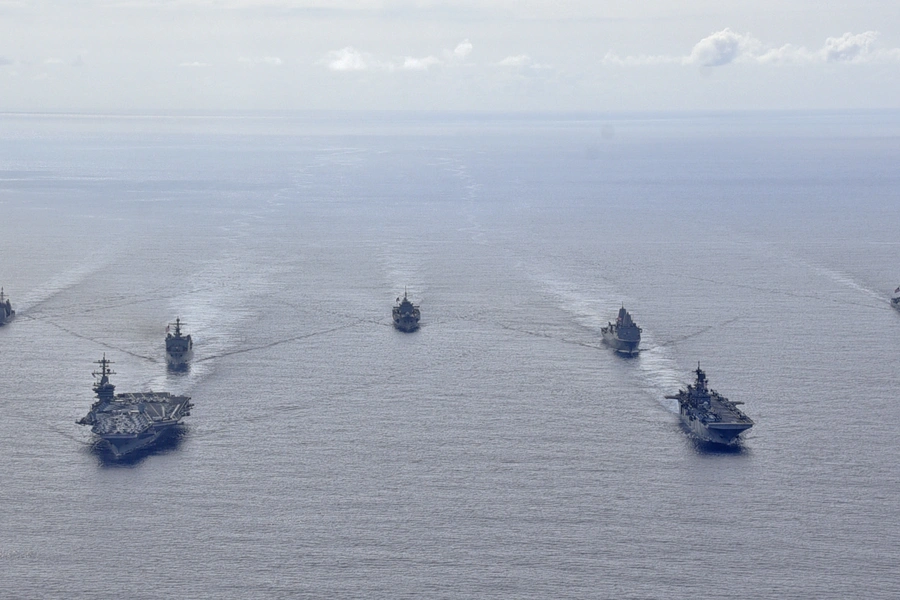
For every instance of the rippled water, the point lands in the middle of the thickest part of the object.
(500, 451)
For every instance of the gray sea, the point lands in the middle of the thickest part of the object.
(501, 451)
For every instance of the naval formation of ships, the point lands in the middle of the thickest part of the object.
(131, 421)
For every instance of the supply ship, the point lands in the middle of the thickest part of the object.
(179, 348)
(406, 315)
(624, 335)
(708, 415)
(6, 310)
(131, 421)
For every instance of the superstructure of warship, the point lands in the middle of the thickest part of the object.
(406, 315)
(708, 415)
(623, 335)
(6, 310)
(178, 347)
(895, 299)
(131, 421)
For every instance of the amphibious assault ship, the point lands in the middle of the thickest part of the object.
(895, 299)
(709, 415)
(131, 421)
(6, 310)
(623, 335)
(406, 315)
(178, 347)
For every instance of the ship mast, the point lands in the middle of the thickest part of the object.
(103, 388)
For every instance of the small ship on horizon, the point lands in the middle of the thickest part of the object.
(179, 348)
(624, 335)
(131, 421)
(406, 315)
(708, 415)
(6, 310)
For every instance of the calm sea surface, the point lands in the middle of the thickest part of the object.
(501, 451)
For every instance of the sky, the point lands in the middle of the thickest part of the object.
(469, 55)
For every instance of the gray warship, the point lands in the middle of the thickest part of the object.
(178, 347)
(406, 315)
(623, 335)
(6, 310)
(131, 421)
(895, 299)
(710, 416)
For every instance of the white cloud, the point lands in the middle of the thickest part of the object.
(522, 60)
(194, 64)
(463, 49)
(351, 59)
(722, 48)
(726, 47)
(849, 47)
(420, 64)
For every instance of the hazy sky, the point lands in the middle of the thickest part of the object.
(431, 54)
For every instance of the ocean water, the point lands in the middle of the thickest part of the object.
(501, 451)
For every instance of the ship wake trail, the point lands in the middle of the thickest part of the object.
(99, 342)
(849, 283)
(548, 336)
(583, 306)
(699, 332)
(836, 277)
(60, 283)
(280, 342)
(658, 370)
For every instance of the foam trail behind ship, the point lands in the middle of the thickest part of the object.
(656, 365)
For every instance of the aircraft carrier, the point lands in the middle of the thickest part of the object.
(131, 421)
(708, 415)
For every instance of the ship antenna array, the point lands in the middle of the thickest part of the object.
(104, 367)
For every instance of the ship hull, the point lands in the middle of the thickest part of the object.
(4, 318)
(727, 434)
(628, 347)
(178, 360)
(124, 445)
(406, 325)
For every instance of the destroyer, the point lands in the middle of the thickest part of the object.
(406, 315)
(623, 335)
(131, 421)
(178, 347)
(709, 415)
(6, 310)
(895, 299)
